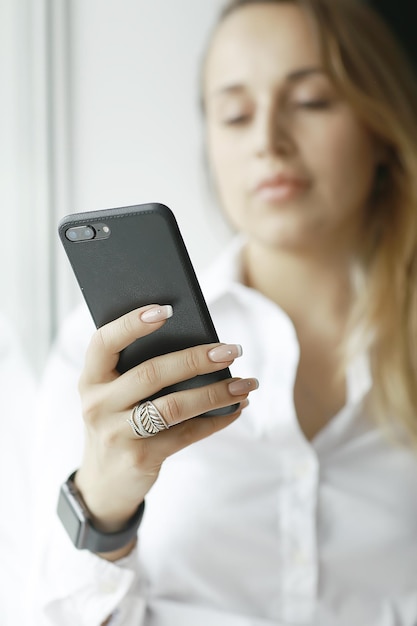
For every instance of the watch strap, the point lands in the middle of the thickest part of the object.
(77, 521)
(97, 541)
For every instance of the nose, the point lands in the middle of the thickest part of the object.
(273, 134)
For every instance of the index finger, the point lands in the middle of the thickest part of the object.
(108, 341)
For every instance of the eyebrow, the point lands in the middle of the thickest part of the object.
(304, 73)
(292, 77)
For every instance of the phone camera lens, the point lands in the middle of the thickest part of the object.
(88, 233)
(80, 233)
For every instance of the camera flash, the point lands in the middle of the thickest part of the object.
(106, 229)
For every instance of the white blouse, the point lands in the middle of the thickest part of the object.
(17, 399)
(254, 526)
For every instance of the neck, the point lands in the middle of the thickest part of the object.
(313, 289)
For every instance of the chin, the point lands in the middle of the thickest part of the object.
(286, 237)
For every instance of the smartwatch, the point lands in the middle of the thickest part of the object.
(77, 521)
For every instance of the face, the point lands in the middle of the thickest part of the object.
(292, 164)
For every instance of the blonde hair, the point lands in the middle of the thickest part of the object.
(372, 72)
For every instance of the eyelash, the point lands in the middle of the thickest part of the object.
(235, 121)
(313, 104)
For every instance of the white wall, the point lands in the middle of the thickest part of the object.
(136, 123)
(25, 219)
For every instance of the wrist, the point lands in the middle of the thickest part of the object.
(106, 513)
(79, 524)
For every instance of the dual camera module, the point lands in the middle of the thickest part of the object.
(87, 232)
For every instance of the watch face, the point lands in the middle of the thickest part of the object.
(77, 521)
(72, 516)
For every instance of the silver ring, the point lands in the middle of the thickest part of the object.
(146, 420)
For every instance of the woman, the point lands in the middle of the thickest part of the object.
(301, 508)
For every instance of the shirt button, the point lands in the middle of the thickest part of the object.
(108, 587)
(300, 557)
(302, 469)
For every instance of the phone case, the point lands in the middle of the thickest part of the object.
(138, 257)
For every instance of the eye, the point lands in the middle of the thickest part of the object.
(312, 104)
(236, 120)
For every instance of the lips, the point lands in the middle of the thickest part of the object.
(280, 187)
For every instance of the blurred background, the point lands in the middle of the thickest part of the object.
(99, 108)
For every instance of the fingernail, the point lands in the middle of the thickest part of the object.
(226, 352)
(157, 313)
(245, 385)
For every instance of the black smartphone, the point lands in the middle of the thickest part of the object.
(128, 257)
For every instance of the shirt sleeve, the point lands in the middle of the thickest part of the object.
(17, 398)
(79, 587)
(70, 586)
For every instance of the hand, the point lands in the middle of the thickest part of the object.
(118, 469)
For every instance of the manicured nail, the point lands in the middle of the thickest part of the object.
(157, 314)
(224, 353)
(245, 385)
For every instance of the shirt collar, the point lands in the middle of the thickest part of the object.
(358, 378)
(226, 273)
